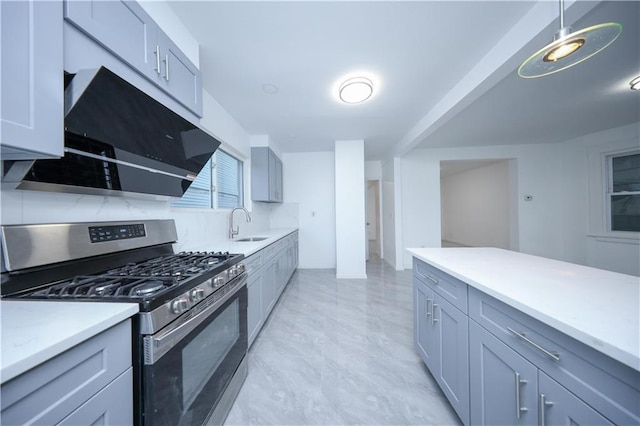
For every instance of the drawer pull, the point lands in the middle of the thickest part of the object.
(551, 354)
(430, 278)
(519, 382)
(543, 405)
(427, 300)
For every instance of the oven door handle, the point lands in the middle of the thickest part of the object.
(159, 344)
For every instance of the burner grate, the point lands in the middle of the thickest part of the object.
(108, 286)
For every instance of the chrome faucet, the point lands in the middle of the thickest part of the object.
(233, 232)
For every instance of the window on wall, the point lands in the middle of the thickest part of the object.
(623, 192)
(218, 185)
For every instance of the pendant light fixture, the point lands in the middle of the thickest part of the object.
(569, 48)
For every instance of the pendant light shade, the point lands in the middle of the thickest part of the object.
(569, 48)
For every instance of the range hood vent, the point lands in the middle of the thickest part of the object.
(118, 141)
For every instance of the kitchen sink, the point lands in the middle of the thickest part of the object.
(251, 239)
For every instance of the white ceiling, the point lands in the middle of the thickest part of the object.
(445, 71)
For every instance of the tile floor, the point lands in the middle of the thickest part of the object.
(340, 353)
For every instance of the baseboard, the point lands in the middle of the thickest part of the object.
(351, 276)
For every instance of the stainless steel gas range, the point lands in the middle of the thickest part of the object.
(190, 336)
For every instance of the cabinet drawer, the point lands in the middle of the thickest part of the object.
(452, 289)
(50, 392)
(113, 405)
(611, 388)
(269, 251)
(253, 262)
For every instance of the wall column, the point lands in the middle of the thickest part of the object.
(350, 210)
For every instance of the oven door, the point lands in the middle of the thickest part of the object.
(189, 365)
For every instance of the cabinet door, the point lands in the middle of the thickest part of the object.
(273, 191)
(31, 79)
(423, 325)
(558, 406)
(453, 358)
(269, 288)
(278, 180)
(110, 406)
(254, 310)
(123, 27)
(179, 76)
(503, 385)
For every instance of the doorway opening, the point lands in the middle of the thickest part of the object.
(479, 205)
(374, 238)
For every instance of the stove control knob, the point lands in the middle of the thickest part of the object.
(178, 306)
(197, 294)
(233, 271)
(240, 268)
(217, 282)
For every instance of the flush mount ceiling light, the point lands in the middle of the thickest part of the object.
(569, 48)
(355, 90)
(635, 83)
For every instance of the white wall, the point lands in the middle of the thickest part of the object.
(309, 203)
(350, 209)
(475, 206)
(388, 214)
(554, 224)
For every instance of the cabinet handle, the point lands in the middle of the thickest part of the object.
(434, 320)
(519, 382)
(166, 67)
(157, 53)
(427, 300)
(543, 404)
(551, 354)
(430, 278)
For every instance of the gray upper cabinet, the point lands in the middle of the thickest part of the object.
(178, 75)
(266, 175)
(32, 80)
(128, 32)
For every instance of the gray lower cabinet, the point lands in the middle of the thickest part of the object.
(424, 332)
(91, 383)
(503, 383)
(520, 371)
(266, 175)
(31, 115)
(128, 32)
(558, 406)
(268, 272)
(501, 378)
(255, 286)
(441, 336)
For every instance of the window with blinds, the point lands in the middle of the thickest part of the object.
(623, 192)
(218, 185)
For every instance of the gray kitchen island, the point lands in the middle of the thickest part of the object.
(518, 339)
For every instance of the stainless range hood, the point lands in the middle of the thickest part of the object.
(118, 141)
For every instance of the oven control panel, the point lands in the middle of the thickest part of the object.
(99, 234)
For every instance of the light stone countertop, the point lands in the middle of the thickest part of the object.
(36, 331)
(246, 248)
(596, 307)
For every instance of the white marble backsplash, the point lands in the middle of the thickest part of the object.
(196, 227)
